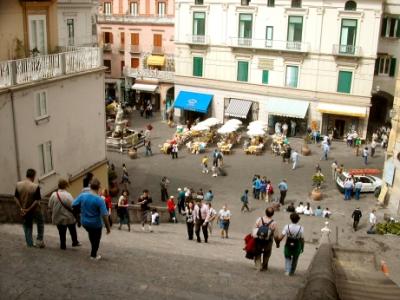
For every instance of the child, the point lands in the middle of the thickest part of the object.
(155, 217)
(171, 209)
(204, 163)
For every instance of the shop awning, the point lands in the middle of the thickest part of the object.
(287, 108)
(193, 101)
(343, 110)
(156, 60)
(238, 108)
(144, 87)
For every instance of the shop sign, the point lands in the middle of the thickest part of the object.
(266, 64)
(388, 172)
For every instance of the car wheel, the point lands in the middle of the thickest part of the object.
(377, 192)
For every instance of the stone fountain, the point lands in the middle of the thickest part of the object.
(121, 137)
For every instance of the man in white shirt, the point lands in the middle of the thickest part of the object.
(372, 220)
(295, 159)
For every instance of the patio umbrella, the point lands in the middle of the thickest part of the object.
(258, 122)
(256, 132)
(200, 127)
(234, 121)
(256, 126)
(211, 122)
(226, 129)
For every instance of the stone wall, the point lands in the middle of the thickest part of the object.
(10, 214)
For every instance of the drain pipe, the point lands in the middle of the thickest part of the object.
(15, 137)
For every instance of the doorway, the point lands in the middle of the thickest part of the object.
(340, 127)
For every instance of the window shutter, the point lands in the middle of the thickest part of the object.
(376, 71)
(265, 75)
(111, 38)
(344, 82)
(384, 25)
(197, 66)
(392, 70)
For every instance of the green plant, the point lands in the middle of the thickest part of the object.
(19, 51)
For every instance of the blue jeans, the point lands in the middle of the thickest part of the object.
(347, 194)
(291, 264)
(365, 159)
(357, 193)
(27, 224)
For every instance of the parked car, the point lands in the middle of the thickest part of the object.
(370, 184)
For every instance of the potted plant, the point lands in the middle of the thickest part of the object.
(305, 150)
(316, 193)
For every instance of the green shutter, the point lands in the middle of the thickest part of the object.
(243, 71)
(344, 82)
(384, 25)
(398, 28)
(376, 70)
(265, 75)
(392, 70)
(198, 66)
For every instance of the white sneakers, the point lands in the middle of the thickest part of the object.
(98, 257)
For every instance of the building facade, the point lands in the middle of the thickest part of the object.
(310, 63)
(52, 114)
(138, 47)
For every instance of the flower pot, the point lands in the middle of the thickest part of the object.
(132, 153)
(305, 150)
(316, 194)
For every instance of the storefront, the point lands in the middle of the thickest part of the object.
(147, 92)
(192, 106)
(242, 109)
(338, 119)
(291, 112)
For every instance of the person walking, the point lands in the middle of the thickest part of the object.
(181, 200)
(334, 167)
(325, 150)
(263, 188)
(189, 219)
(144, 201)
(123, 212)
(365, 155)
(257, 186)
(224, 217)
(270, 191)
(108, 201)
(204, 163)
(295, 159)
(356, 215)
(200, 218)
(372, 221)
(357, 189)
(373, 147)
(292, 128)
(264, 234)
(283, 188)
(245, 201)
(125, 176)
(212, 215)
(174, 151)
(147, 146)
(215, 158)
(209, 196)
(171, 209)
(93, 212)
(357, 143)
(27, 196)
(60, 206)
(164, 191)
(294, 245)
(348, 188)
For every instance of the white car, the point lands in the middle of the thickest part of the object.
(370, 184)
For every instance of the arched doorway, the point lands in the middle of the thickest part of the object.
(379, 114)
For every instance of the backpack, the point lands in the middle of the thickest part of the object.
(270, 189)
(263, 232)
(292, 242)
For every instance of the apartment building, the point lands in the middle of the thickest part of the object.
(310, 62)
(52, 114)
(137, 37)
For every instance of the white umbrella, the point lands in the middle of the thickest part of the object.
(211, 122)
(200, 127)
(233, 121)
(256, 132)
(226, 129)
(258, 122)
(256, 126)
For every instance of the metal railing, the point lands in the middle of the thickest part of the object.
(157, 50)
(136, 19)
(289, 46)
(135, 49)
(41, 67)
(198, 39)
(150, 73)
(107, 47)
(346, 50)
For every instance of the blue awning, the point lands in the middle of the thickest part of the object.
(193, 101)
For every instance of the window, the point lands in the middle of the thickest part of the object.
(108, 38)
(390, 27)
(243, 71)
(198, 2)
(271, 3)
(134, 62)
(37, 34)
(244, 2)
(269, 36)
(107, 8)
(344, 81)
(385, 65)
(71, 31)
(41, 104)
(296, 3)
(161, 9)
(135, 39)
(350, 5)
(45, 158)
(245, 26)
(199, 23)
(107, 63)
(133, 8)
(122, 39)
(295, 32)
(198, 66)
(265, 75)
(122, 66)
(348, 36)
(292, 76)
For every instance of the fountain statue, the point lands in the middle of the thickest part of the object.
(118, 129)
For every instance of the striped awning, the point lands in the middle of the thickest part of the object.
(238, 108)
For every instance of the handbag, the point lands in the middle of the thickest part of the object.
(76, 216)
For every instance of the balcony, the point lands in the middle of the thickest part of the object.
(198, 39)
(135, 49)
(157, 50)
(272, 45)
(42, 67)
(165, 76)
(121, 48)
(128, 19)
(346, 50)
(107, 47)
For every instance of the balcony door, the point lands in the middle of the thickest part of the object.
(245, 29)
(295, 32)
(199, 24)
(37, 30)
(269, 36)
(348, 36)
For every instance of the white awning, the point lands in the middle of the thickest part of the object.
(144, 87)
(343, 110)
(287, 108)
(238, 108)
